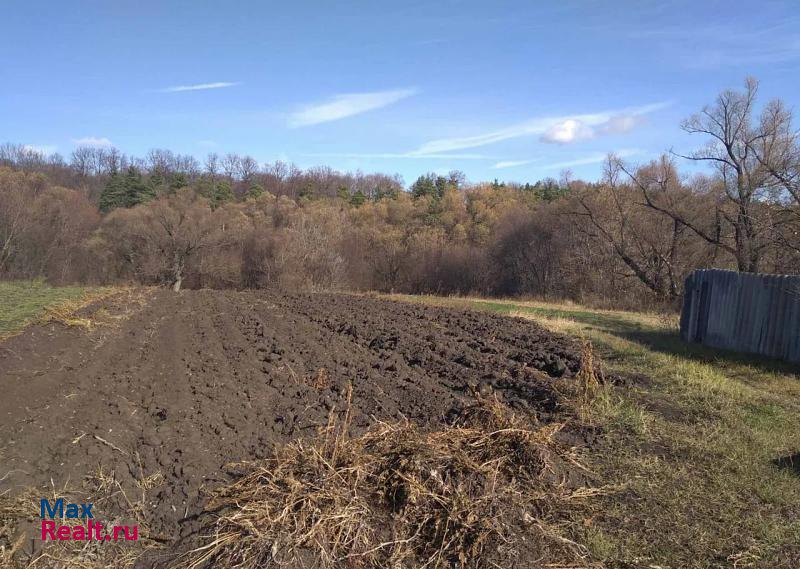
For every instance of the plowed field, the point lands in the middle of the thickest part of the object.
(176, 386)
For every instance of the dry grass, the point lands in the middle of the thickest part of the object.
(590, 379)
(476, 493)
(69, 312)
(19, 520)
(66, 313)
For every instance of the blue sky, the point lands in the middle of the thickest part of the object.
(511, 90)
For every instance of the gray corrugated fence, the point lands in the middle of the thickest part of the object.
(745, 312)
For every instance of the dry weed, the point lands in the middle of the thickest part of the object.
(397, 496)
(320, 380)
(68, 312)
(590, 377)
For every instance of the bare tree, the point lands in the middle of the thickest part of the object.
(212, 165)
(247, 168)
(113, 161)
(188, 165)
(16, 192)
(230, 165)
(647, 243)
(185, 225)
(81, 160)
(157, 240)
(779, 150)
(160, 162)
(745, 181)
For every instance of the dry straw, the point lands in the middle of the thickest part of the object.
(397, 496)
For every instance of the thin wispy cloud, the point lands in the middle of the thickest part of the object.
(199, 87)
(512, 163)
(404, 155)
(92, 141)
(564, 130)
(595, 158)
(720, 45)
(346, 105)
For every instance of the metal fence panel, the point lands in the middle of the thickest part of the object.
(743, 312)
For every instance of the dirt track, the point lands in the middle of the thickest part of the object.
(184, 384)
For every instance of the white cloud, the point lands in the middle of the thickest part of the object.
(346, 105)
(92, 141)
(567, 128)
(574, 130)
(570, 130)
(198, 87)
(45, 149)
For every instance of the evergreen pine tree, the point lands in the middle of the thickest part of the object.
(206, 187)
(113, 194)
(156, 183)
(136, 190)
(307, 192)
(223, 193)
(343, 193)
(255, 190)
(177, 181)
(358, 199)
(424, 186)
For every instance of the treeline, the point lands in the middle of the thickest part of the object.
(112, 179)
(627, 240)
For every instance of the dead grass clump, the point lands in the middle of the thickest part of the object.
(68, 312)
(468, 495)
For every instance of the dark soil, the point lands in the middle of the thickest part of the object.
(790, 462)
(186, 383)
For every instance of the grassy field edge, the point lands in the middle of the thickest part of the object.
(23, 303)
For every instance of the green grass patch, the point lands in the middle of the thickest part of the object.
(24, 302)
(694, 440)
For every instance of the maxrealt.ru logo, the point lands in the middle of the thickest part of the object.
(68, 530)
